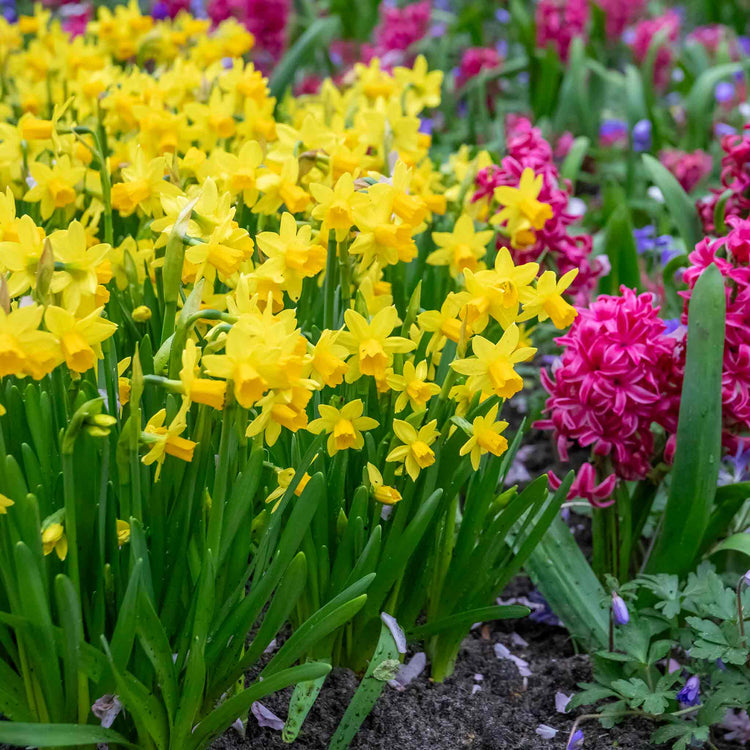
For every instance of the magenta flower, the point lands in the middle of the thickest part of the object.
(618, 374)
(645, 31)
(558, 22)
(688, 167)
(619, 14)
(585, 486)
(476, 59)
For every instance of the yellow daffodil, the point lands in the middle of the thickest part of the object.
(56, 186)
(80, 340)
(546, 301)
(491, 369)
(344, 426)
(371, 344)
(485, 438)
(381, 492)
(5, 503)
(162, 441)
(415, 454)
(462, 248)
(123, 532)
(53, 538)
(412, 386)
(522, 212)
(197, 389)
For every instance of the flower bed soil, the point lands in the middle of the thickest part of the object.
(431, 716)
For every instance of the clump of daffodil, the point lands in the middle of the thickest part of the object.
(485, 437)
(344, 426)
(415, 452)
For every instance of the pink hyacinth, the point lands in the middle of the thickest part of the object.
(585, 486)
(731, 255)
(558, 22)
(712, 37)
(735, 176)
(476, 59)
(688, 167)
(527, 147)
(266, 20)
(645, 31)
(397, 30)
(620, 14)
(617, 376)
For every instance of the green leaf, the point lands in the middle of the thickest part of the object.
(696, 463)
(148, 713)
(574, 159)
(681, 208)
(155, 643)
(58, 735)
(222, 717)
(699, 105)
(303, 697)
(483, 614)
(393, 564)
(369, 690)
(563, 575)
(317, 35)
(620, 248)
(735, 543)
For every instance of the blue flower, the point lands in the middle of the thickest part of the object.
(690, 694)
(642, 135)
(576, 741)
(620, 610)
(724, 91)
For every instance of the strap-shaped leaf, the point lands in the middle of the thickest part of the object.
(696, 463)
(59, 735)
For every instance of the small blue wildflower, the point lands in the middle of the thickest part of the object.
(721, 129)
(642, 135)
(576, 741)
(724, 91)
(502, 15)
(689, 695)
(619, 610)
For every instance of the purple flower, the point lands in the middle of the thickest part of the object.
(721, 129)
(426, 125)
(620, 609)
(735, 468)
(160, 11)
(690, 694)
(576, 741)
(747, 578)
(642, 135)
(502, 15)
(644, 239)
(724, 92)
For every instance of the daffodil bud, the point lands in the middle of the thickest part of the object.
(142, 314)
(44, 271)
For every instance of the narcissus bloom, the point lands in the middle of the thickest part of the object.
(415, 454)
(197, 389)
(371, 343)
(485, 438)
(163, 441)
(381, 492)
(412, 386)
(53, 538)
(5, 503)
(491, 369)
(344, 426)
(522, 212)
(462, 248)
(80, 340)
(335, 206)
(546, 301)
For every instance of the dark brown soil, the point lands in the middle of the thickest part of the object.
(448, 716)
(431, 716)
